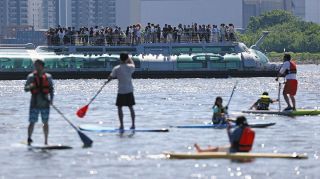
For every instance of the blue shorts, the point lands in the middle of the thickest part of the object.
(34, 113)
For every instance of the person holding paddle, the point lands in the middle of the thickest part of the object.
(289, 69)
(264, 102)
(219, 112)
(40, 85)
(125, 97)
(241, 138)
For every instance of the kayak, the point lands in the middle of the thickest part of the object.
(298, 112)
(222, 126)
(235, 156)
(97, 128)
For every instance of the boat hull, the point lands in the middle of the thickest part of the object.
(16, 75)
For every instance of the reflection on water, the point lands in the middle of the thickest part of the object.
(160, 103)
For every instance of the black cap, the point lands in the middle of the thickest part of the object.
(287, 57)
(38, 61)
(241, 120)
(124, 57)
(265, 93)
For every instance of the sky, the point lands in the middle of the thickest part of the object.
(190, 11)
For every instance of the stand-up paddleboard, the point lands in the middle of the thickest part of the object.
(222, 126)
(97, 128)
(298, 112)
(49, 147)
(234, 156)
(46, 147)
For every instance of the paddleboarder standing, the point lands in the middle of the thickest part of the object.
(125, 97)
(289, 69)
(241, 138)
(40, 85)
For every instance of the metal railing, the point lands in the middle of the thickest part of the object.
(131, 39)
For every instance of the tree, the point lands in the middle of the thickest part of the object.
(286, 32)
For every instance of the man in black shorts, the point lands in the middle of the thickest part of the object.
(123, 73)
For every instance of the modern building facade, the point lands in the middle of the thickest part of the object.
(50, 13)
(90, 13)
(42, 14)
(14, 16)
(3, 17)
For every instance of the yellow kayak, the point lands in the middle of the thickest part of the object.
(298, 112)
(235, 156)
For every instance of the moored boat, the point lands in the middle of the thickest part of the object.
(159, 60)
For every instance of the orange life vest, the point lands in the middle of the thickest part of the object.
(41, 84)
(246, 140)
(293, 68)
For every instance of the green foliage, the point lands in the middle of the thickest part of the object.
(300, 58)
(287, 32)
(270, 18)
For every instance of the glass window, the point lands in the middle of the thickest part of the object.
(95, 63)
(215, 57)
(221, 49)
(199, 58)
(6, 63)
(184, 58)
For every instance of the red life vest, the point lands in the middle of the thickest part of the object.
(246, 140)
(41, 84)
(293, 68)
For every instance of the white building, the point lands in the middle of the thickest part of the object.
(35, 14)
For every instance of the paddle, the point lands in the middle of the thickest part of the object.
(82, 111)
(279, 90)
(87, 142)
(234, 87)
(229, 126)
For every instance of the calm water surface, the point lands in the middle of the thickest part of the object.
(160, 103)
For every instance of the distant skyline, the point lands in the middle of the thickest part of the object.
(17, 15)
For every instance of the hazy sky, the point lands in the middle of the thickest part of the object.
(188, 11)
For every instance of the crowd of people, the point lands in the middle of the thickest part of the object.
(136, 34)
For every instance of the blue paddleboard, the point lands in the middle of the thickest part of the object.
(222, 126)
(97, 128)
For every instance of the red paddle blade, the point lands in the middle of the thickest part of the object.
(82, 111)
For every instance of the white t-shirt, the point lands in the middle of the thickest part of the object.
(123, 73)
(286, 66)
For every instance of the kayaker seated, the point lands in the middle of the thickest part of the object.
(219, 112)
(264, 102)
(241, 138)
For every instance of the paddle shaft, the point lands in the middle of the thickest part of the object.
(64, 117)
(229, 126)
(279, 91)
(234, 87)
(98, 92)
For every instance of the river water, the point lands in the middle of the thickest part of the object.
(160, 103)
